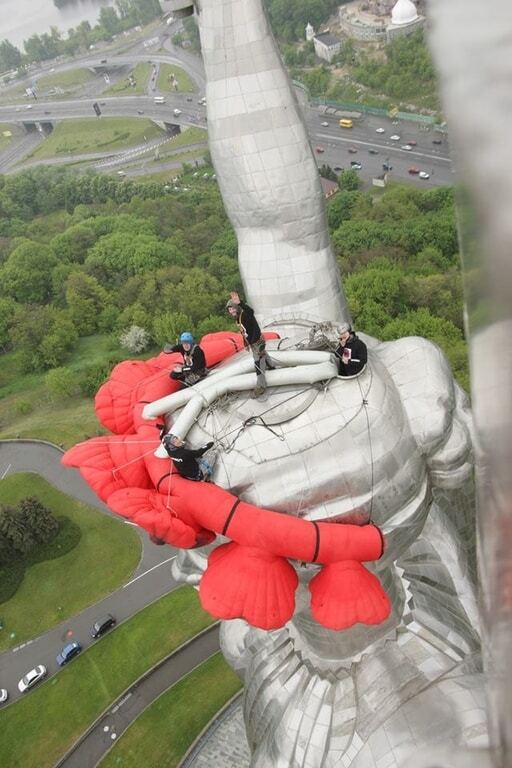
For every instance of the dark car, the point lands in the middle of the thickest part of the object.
(189, 98)
(140, 111)
(103, 61)
(68, 652)
(437, 141)
(387, 167)
(338, 168)
(102, 625)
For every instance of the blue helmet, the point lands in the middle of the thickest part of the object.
(186, 338)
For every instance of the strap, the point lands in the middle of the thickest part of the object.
(230, 517)
(317, 541)
(167, 474)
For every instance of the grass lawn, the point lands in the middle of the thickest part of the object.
(106, 555)
(26, 410)
(165, 730)
(163, 82)
(140, 74)
(37, 730)
(68, 79)
(94, 134)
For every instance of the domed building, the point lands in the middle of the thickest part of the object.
(379, 21)
(404, 19)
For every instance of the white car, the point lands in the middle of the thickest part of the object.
(325, 125)
(3, 695)
(424, 175)
(407, 147)
(31, 678)
(176, 112)
(28, 106)
(380, 130)
(395, 137)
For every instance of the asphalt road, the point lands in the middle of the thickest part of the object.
(333, 142)
(125, 710)
(152, 578)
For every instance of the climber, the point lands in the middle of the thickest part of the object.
(351, 352)
(188, 461)
(253, 339)
(194, 367)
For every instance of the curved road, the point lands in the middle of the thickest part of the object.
(152, 578)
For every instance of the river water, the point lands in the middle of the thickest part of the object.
(21, 18)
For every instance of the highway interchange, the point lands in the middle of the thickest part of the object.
(333, 142)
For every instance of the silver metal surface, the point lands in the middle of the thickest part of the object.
(392, 445)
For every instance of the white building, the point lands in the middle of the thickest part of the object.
(310, 32)
(373, 22)
(326, 46)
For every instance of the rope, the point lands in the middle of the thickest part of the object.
(365, 406)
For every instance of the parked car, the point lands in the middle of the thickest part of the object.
(102, 625)
(325, 125)
(380, 130)
(356, 165)
(413, 170)
(395, 137)
(373, 151)
(352, 150)
(68, 652)
(140, 111)
(338, 168)
(3, 695)
(319, 150)
(189, 98)
(176, 112)
(32, 678)
(407, 147)
(437, 141)
(424, 175)
(412, 142)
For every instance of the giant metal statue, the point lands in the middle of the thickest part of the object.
(391, 447)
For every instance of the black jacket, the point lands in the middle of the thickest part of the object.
(185, 459)
(195, 361)
(358, 356)
(248, 324)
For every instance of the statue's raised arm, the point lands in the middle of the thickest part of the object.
(265, 167)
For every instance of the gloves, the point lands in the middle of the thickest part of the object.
(209, 445)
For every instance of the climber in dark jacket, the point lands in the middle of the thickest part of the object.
(253, 339)
(351, 352)
(194, 361)
(187, 461)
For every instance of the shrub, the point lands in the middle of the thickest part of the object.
(135, 339)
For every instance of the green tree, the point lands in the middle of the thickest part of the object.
(43, 336)
(14, 531)
(37, 520)
(7, 309)
(85, 298)
(26, 275)
(349, 180)
(61, 384)
(72, 245)
(168, 326)
(109, 21)
(10, 56)
(327, 173)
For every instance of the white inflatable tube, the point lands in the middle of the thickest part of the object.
(304, 374)
(177, 400)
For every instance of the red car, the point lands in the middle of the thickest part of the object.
(319, 150)
(412, 143)
(414, 170)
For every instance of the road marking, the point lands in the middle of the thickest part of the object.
(149, 571)
(383, 148)
(23, 645)
(6, 471)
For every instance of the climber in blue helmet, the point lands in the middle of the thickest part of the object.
(194, 361)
